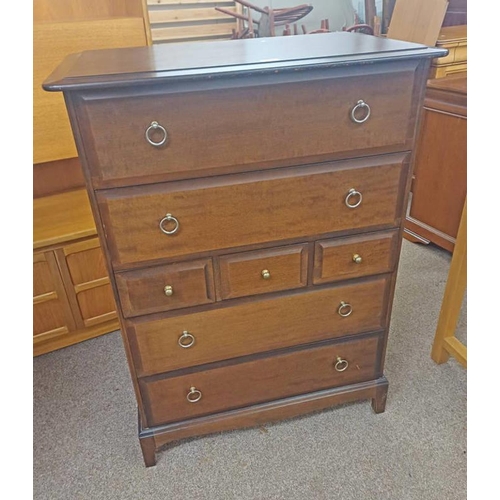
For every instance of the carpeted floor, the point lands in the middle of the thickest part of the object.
(85, 431)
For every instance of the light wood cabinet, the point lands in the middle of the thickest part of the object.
(72, 296)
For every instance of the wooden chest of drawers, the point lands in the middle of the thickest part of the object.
(249, 196)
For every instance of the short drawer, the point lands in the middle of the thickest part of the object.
(274, 377)
(186, 217)
(263, 271)
(162, 288)
(165, 133)
(261, 325)
(344, 258)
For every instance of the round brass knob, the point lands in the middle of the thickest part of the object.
(186, 340)
(169, 291)
(344, 309)
(341, 364)
(194, 395)
(266, 274)
(357, 258)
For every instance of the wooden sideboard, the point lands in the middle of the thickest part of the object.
(439, 186)
(453, 39)
(72, 296)
(249, 197)
(66, 303)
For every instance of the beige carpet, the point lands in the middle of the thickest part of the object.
(85, 431)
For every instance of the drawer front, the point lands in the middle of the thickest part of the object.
(275, 377)
(233, 127)
(162, 288)
(344, 258)
(258, 326)
(263, 271)
(247, 209)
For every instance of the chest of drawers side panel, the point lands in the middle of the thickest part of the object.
(419, 88)
(69, 98)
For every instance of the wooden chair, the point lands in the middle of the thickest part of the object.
(360, 28)
(269, 18)
(445, 342)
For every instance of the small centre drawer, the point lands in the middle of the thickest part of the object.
(344, 258)
(263, 271)
(298, 372)
(162, 288)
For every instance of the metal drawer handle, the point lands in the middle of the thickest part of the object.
(194, 395)
(357, 259)
(341, 364)
(152, 127)
(186, 340)
(169, 218)
(168, 290)
(345, 309)
(361, 105)
(350, 199)
(266, 274)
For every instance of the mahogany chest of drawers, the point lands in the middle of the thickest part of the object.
(249, 197)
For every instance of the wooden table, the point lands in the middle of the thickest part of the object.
(445, 342)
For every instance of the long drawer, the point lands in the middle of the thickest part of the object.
(187, 217)
(159, 132)
(261, 325)
(234, 386)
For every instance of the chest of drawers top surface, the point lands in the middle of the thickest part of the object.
(118, 67)
(249, 198)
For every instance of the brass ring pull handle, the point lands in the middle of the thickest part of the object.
(266, 274)
(168, 290)
(361, 105)
(169, 218)
(353, 198)
(186, 340)
(194, 395)
(341, 364)
(357, 259)
(344, 309)
(153, 127)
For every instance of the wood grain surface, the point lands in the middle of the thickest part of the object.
(257, 326)
(271, 206)
(245, 273)
(143, 291)
(200, 139)
(261, 380)
(334, 259)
